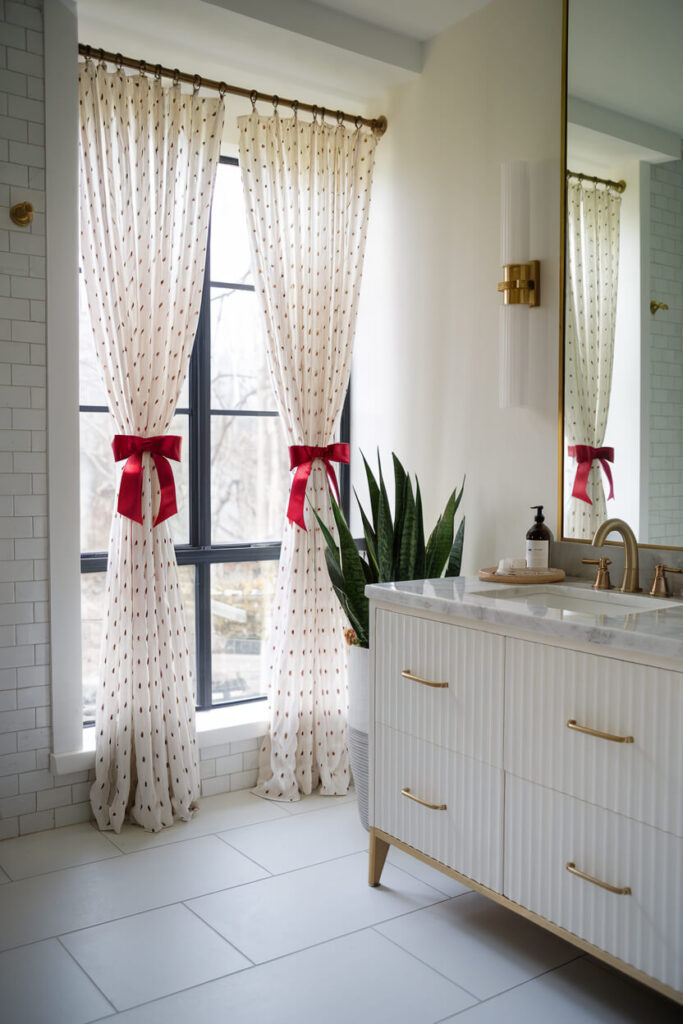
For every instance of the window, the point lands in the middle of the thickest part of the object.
(232, 483)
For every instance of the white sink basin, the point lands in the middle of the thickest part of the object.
(575, 603)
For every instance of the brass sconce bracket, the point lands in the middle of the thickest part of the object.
(21, 214)
(654, 306)
(521, 284)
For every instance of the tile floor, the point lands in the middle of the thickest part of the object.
(256, 911)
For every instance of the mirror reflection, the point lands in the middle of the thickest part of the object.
(623, 322)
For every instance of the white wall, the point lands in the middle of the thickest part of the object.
(426, 363)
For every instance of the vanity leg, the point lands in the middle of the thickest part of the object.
(378, 854)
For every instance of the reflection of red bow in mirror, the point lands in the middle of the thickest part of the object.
(585, 455)
(131, 448)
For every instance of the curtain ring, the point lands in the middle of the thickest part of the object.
(143, 68)
(295, 107)
(222, 89)
(314, 111)
(358, 122)
(157, 73)
(322, 115)
(87, 54)
(340, 118)
(275, 101)
(119, 62)
(253, 96)
(101, 62)
(176, 76)
(196, 84)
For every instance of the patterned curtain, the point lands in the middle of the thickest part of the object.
(148, 157)
(307, 189)
(592, 279)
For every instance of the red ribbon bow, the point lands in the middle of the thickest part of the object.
(585, 455)
(301, 457)
(131, 448)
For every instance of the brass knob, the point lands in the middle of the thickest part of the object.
(660, 584)
(602, 580)
(22, 214)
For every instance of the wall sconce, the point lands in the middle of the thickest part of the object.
(521, 285)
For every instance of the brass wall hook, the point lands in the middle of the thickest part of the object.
(22, 214)
(654, 306)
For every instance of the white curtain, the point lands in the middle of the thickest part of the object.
(307, 189)
(592, 279)
(148, 156)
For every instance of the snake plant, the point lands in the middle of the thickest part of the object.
(395, 547)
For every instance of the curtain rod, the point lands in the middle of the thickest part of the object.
(620, 186)
(377, 124)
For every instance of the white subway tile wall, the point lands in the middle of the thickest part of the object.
(665, 361)
(31, 798)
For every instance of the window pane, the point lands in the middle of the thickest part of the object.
(91, 388)
(99, 474)
(230, 253)
(242, 595)
(239, 375)
(93, 610)
(249, 479)
(187, 574)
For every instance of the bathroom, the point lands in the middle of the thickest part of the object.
(143, 925)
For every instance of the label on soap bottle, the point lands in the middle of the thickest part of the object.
(537, 554)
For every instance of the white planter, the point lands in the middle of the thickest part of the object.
(359, 713)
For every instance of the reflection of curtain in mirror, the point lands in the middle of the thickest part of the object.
(591, 304)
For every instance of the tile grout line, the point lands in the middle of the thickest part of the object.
(505, 991)
(431, 967)
(211, 927)
(90, 979)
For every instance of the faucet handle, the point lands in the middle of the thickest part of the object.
(660, 586)
(602, 580)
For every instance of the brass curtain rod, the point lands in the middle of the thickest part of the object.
(620, 186)
(377, 124)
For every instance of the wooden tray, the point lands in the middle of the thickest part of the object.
(522, 575)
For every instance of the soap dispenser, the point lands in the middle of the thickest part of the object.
(538, 542)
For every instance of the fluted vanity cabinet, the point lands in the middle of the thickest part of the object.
(548, 778)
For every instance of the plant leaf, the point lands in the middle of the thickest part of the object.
(400, 480)
(408, 550)
(455, 557)
(331, 543)
(441, 540)
(370, 538)
(373, 491)
(385, 532)
(352, 570)
(420, 556)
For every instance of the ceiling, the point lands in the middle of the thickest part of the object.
(626, 55)
(341, 53)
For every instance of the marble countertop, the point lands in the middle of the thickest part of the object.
(653, 631)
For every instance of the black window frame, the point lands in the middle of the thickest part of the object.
(200, 552)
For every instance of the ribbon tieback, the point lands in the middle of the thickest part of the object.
(301, 458)
(161, 448)
(585, 455)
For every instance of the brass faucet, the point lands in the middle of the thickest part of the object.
(629, 583)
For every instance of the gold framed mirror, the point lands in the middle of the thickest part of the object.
(621, 321)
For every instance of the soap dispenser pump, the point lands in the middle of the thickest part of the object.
(538, 542)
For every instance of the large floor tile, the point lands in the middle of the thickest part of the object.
(289, 912)
(215, 814)
(80, 897)
(51, 851)
(150, 955)
(358, 978)
(579, 993)
(448, 886)
(40, 984)
(479, 944)
(301, 840)
(316, 802)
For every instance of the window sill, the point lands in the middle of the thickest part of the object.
(220, 725)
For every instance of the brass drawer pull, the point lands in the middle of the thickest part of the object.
(572, 724)
(425, 682)
(623, 890)
(423, 803)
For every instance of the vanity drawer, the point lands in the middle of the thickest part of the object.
(466, 714)
(547, 687)
(544, 831)
(464, 827)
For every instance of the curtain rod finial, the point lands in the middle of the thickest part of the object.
(380, 125)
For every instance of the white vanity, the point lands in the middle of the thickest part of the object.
(529, 742)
